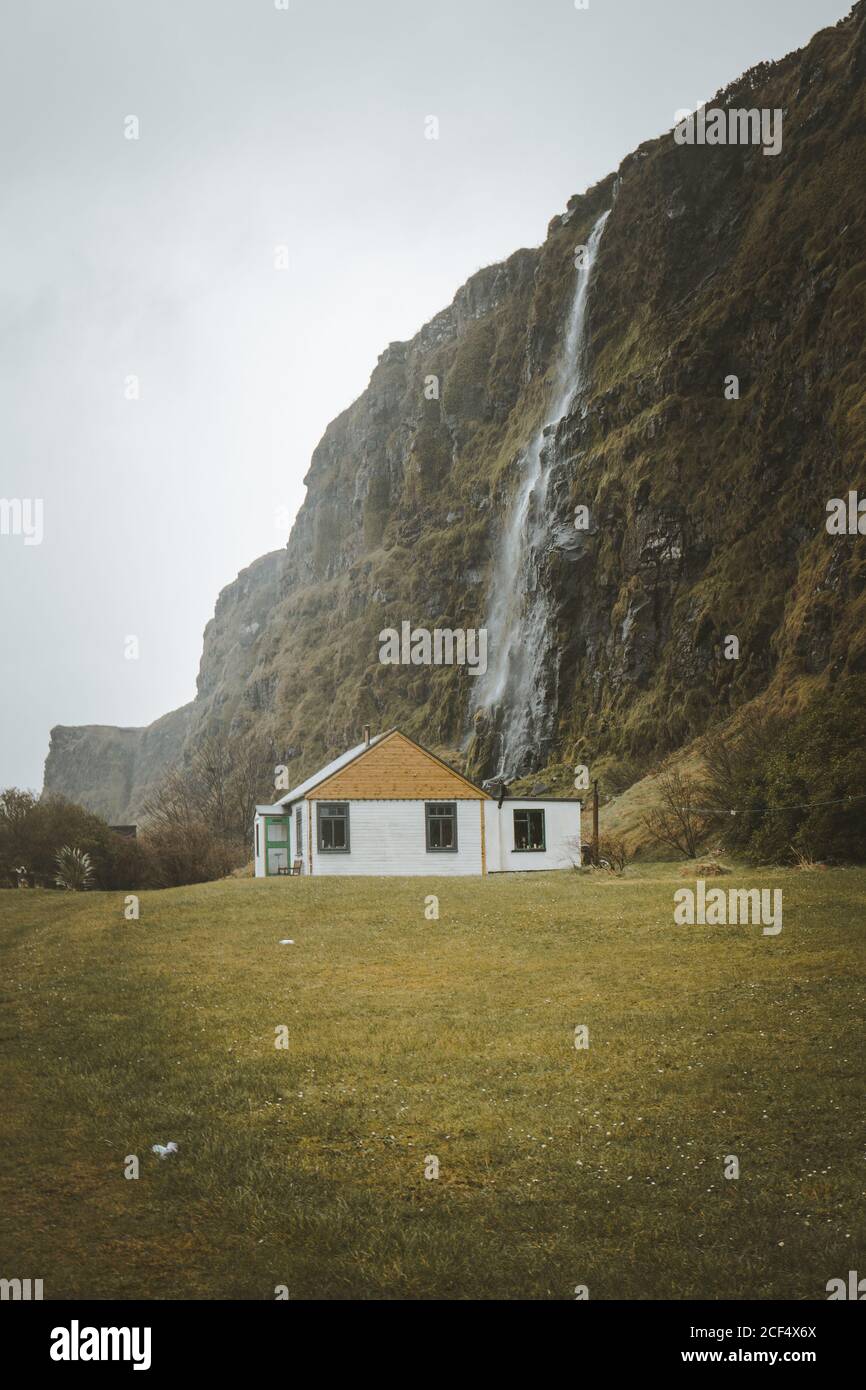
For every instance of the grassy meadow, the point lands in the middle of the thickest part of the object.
(410, 1038)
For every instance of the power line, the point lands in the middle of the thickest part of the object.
(749, 810)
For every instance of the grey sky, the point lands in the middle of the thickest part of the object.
(156, 257)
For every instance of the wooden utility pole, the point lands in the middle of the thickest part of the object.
(595, 821)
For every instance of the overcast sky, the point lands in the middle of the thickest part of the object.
(155, 258)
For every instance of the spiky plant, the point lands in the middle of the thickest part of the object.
(74, 869)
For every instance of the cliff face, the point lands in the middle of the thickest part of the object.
(706, 514)
(111, 770)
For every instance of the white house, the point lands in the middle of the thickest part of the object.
(388, 806)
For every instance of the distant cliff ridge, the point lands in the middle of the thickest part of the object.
(706, 502)
(111, 770)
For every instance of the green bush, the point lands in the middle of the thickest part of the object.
(74, 870)
(34, 831)
(796, 785)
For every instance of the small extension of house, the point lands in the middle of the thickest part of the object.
(389, 806)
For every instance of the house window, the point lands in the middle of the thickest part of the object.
(299, 831)
(441, 819)
(257, 839)
(529, 830)
(333, 827)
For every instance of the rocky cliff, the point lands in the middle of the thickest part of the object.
(706, 503)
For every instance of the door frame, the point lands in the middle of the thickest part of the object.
(269, 844)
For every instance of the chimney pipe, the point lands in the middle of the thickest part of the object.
(366, 735)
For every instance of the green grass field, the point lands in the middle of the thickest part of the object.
(305, 1167)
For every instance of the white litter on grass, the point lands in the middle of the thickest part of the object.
(165, 1149)
(286, 942)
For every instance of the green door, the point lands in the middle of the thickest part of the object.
(276, 844)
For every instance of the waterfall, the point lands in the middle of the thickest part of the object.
(515, 691)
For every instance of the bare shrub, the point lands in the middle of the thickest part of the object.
(198, 820)
(682, 820)
(218, 787)
(612, 853)
(803, 860)
(190, 852)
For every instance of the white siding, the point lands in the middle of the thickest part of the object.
(561, 824)
(299, 844)
(389, 837)
(492, 847)
(259, 846)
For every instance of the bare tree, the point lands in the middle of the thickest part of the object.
(218, 788)
(252, 781)
(212, 771)
(682, 820)
(171, 803)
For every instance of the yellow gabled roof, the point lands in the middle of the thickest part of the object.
(392, 767)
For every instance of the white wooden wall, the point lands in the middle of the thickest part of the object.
(389, 837)
(561, 824)
(299, 849)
